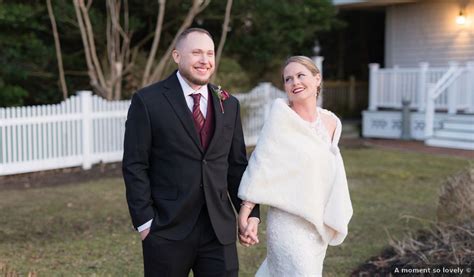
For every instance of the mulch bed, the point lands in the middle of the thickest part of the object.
(59, 177)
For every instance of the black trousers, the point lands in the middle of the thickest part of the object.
(200, 252)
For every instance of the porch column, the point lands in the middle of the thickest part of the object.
(470, 87)
(453, 93)
(430, 112)
(422, 86)
(373, 84)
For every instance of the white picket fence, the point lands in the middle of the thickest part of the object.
(86, 129)
(255, 107)
(80, 131)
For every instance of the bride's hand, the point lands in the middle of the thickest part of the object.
(243, 216)
(244, 213)
(252, 230)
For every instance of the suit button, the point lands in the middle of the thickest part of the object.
(201, 185)
(204, 161)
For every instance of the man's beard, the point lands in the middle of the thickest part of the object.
(188, 76)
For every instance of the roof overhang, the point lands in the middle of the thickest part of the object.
(368, 3)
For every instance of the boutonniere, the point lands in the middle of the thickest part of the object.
(222, 95)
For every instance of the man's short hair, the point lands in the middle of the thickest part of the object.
(186, 32)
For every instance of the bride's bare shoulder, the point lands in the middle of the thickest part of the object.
(330, 119)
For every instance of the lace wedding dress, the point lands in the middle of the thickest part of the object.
(294, 247)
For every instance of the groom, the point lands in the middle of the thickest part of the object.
(184, 156)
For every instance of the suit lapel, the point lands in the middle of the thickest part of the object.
(218, 116)
(175, 97)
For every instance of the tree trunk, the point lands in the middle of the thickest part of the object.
(225, 29)
(87, 52)
(156, 42)
(198, 6)
(57, 45)
(107, 74)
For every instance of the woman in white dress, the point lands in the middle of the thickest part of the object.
(297, 170)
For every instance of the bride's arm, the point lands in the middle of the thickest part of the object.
(248, 226)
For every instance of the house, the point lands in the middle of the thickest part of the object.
(429, 63)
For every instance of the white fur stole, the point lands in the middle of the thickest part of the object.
(294, 170)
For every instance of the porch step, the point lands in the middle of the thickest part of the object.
(467, 135)
(459, 122)
(451, 143)
(457, 132)
(457, 125)
(462, 117)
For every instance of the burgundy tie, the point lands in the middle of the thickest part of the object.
(197, 114)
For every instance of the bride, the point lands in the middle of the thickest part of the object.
(296, 169)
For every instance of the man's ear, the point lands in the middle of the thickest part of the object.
(176, 56)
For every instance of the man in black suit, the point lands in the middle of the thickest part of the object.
(184, 156)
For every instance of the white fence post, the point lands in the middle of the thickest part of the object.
(266, 86)
(373, 79)
(470, 86)
(3, 137)
(318, 60)
(394, 85)
(86, 110)
(422, 86)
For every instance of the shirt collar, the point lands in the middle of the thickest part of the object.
(188, 90)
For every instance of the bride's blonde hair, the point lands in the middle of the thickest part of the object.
(306, 62)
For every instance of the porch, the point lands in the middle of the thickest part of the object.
(440, 109)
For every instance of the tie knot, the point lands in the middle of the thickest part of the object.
(196, 97)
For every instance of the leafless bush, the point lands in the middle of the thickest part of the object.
(447, 241)
(456, 200)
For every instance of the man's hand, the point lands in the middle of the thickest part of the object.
(252, 230)
(248, 230)
(144, 233)
(248, 226)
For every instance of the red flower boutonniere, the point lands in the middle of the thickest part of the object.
(222, 95)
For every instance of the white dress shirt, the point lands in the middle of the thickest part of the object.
(187, 90)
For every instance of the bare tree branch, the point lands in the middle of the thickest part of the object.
(89, 4)
(107, 75)
(57, 45)
(145, 40)
(156, 42)
(225, 29)
(92, 74)
(91, 41)
(106, 78)
(198, 6)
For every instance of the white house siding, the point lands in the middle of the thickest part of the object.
(427, 31)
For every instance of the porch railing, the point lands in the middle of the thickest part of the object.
(449, 83)
(389, 86)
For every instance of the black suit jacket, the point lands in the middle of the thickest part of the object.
(168, 176)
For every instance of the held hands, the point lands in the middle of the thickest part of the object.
(248, 227)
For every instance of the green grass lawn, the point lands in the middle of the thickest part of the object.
(85, 229)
